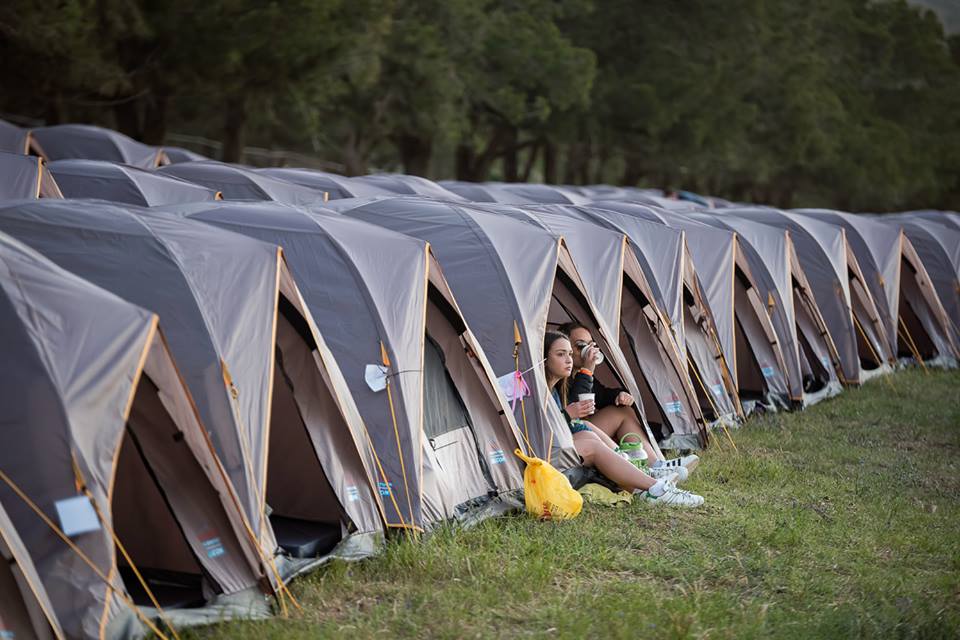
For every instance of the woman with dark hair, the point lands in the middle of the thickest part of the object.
(595, 447)
(611, 411)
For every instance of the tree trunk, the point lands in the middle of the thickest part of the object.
(127, 115)
(531, 160)
(155, 119)
(464, 161)
(550, 168)
(511, 164)
(235, 120)
(415, 154)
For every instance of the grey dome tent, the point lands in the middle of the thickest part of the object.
(510, 279)
(744, 330)
(663, 255)
(537, 193)
(946, 218)
(123, 183)
(25, 177)
(618, 287)
(64, 141)
(401, 184)
(177, 155)
(809, 351)
(25, 608)
(916, 322)
(240, 183)
(442, 435)
(266, 386)
(847, 306)
(337, 187)
(14, 139)
(939, 249)
(100, 437)
(476, 192)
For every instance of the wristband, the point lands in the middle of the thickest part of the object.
(587, 372)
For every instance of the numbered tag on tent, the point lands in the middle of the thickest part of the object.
(376, 377)
(77, 515)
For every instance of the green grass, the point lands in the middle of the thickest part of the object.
(841, 521)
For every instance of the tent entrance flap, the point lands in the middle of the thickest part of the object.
(144, 519)
(450, 431)
(15, 620)
(869, 347)
(305, 512)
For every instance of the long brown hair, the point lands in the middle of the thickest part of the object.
(548, 340)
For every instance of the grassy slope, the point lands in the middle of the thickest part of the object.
(842, 521)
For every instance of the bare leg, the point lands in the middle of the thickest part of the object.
(617, 422)
(596, 453)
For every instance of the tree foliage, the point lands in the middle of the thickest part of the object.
(846, 103)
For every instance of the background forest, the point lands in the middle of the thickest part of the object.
(852, 104)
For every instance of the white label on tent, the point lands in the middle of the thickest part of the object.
(826, 362)
(353, 494)
(674, 408)
(77, 515)
(767, 372)
(497, 457)
(376, 377)
(717, 389)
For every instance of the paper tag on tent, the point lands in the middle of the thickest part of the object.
(77, 515)
(376, 377)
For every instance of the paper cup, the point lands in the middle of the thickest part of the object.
(588, 396)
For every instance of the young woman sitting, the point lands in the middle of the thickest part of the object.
(595, 447)
(611, 410)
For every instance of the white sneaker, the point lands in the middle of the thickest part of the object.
(673, 497)
(687, 462)
(658, 473)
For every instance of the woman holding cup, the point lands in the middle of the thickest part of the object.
(595, 447)
(610, 410)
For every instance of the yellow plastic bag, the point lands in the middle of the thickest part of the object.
(547, 492)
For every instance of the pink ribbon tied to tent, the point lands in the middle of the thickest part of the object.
(514, 386)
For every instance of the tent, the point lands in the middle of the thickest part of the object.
(25, 608)
(25, 177)
(534, 193)
(442, 436)
(101, 445)
(240, 183)
(618, 288)
(401, 184)
(946, 218)
(65, 141)
(663, 255)
(177, 155)
(808, 349)
(337, 187)
(512, 280)
(744, 330)
(915, 320)
(476, 192)
(124, 183)
(14, 139)
(847, 306)
(938, 245)
(266, 386)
